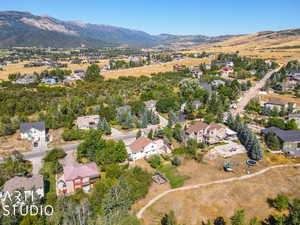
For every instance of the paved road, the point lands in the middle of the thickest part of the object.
(158, 197)
(252, 92)
(36, 156)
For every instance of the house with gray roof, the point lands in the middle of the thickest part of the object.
(27, 184)
(279, 104)
(35, 132)
(290, 140)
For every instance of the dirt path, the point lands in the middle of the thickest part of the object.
(158, 197)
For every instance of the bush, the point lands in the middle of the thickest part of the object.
(55, 154)
(73, 134)
(176, 161)
(154, 161)
(281, 202)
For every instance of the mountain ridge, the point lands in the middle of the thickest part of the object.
(23, 29)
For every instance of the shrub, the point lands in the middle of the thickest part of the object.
(176, 161)
(281, 202)
(154, 161)
(55, 154)
(73, 134)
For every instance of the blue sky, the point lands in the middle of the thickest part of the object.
(208, 17)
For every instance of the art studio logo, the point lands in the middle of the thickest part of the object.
(24, 203)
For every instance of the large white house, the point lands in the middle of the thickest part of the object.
(35, 132)
(144, 147)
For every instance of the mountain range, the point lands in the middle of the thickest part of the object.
(25, 29)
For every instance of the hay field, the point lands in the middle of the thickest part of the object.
(19, 68)
(155, 68)
(259, 46)
(138, 71)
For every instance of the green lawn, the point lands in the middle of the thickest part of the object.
(176, 180)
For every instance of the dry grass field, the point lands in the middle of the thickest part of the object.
(138, 71)
(282, 97)
(221, 199)
(259, 46)
(148, 70)
(19, 68)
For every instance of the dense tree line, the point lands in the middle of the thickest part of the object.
(246, 137)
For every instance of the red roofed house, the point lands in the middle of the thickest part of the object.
(76, 176)
(203, 132)
(226, 70)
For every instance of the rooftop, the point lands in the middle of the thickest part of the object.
(276, 101)
(198, 126)
(77, 170)
(139, 144)
(36, 125)
(28, 183)
(284, 135)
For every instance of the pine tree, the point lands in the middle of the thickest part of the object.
(150, 135)
(145, 119)
(171, 119)
(230, 121)
(138, 134)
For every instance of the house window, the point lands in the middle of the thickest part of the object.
(298, 145)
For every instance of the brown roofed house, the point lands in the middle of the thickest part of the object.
(203, 132)
(141, 148)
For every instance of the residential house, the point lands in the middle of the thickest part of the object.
(208, 66)
(36, 132)
(279, 104)
(288, 85)
(197, 104)
(27, 79)
(215, 133)
(296, 117)
(87, 122)
(151, 105)
(197, 131)
(231, 64)
(178, 67)
(202, 132)
(76, 75)
(49, 80)
(124, 108)
(144, 147)
(196, 73)
(217, 82)
(226, 70)
(294, 72)
(27, 184)
(77, 176)
(290, 140)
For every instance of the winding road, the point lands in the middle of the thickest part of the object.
(244, 177)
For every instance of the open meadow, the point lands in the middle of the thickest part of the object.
(137, 71)
(221, 199)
